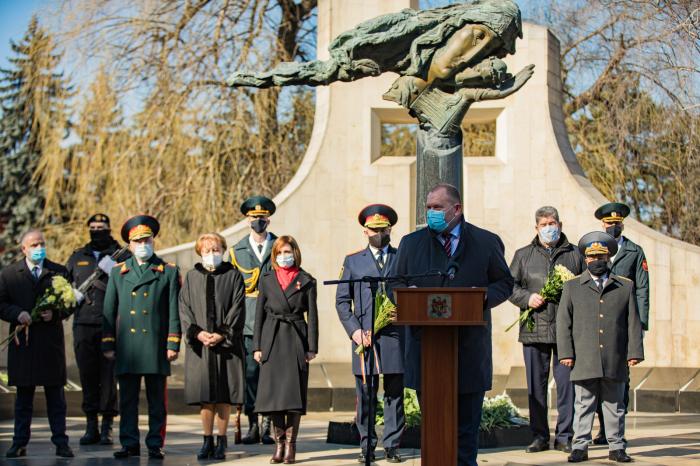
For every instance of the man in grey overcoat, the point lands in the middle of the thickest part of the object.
(599, 335)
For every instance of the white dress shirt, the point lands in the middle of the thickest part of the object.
(254, 244)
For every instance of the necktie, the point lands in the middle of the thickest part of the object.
(599, 282)
(260, 248)
(447, 243)
(35, 272)
(380, 259)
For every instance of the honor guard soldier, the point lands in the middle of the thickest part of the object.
(599, 335)
(96, 372)
(251, 256)
(354, 305)
(141, 328)
(629, 262)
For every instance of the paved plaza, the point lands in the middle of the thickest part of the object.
(654, 439)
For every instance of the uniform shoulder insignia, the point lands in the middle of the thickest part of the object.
(119, 264)
(624, 278)
(356, 252)
(170, 264)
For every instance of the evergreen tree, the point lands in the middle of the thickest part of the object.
(32, 115)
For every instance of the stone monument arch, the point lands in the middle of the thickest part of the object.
(533, 165)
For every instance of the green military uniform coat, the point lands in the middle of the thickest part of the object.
(244, 259)
(630, 262)
(141, 319)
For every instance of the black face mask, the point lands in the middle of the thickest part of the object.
(100, 239)
(380, 240)
(258, 225)
(598, 267)
(614, 230)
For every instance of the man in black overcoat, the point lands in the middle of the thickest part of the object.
(477, 256)
(37, 356)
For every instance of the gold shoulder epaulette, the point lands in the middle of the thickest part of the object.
(119, 264)
(624, 278)
(356, 252)
(171, 264)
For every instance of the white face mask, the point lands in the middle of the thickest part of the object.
(212, 261)
(284, 260)
(143, 251)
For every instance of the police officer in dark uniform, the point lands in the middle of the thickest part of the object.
(354, 305)
(141, 329)
(251, 256)
(96, 371)
(629, 262)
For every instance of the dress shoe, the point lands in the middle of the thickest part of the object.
(92, 435)
(265, 435)
(363, 457)
(391, 455)
(64, 451)
(156, 453)
(125, 452)
(106, 430)
(15, 451)
(600, 440)
(620, 456)
(577, 456)
(537, 445)
(253, 435)
(561, 446)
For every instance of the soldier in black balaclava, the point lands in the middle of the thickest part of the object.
(96, 372)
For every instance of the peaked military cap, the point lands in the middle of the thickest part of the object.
(613, 212)
(258, 206)
(98, 218)
(597, 243)
(377, 216)
(140, 226)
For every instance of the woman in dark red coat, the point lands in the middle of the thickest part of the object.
(285, 340)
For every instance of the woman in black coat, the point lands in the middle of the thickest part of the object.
(212, 313)
(285, 340)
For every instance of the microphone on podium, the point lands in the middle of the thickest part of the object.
(452, 269)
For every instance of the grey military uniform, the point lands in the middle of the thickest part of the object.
(600, 330)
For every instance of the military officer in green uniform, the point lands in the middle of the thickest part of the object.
(141, 329)
(629, 262)
(251, 256)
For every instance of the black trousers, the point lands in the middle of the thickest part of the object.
(96, 371)
(538, 359)
(468, 427)
(468, 421)
(394, 419)
(252, 374)
(55, 408)
(156, 395)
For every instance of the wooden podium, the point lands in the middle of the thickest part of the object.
(439, 311)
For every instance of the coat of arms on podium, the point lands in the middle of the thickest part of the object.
(439, 306)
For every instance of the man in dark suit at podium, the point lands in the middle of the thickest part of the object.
(475, 256)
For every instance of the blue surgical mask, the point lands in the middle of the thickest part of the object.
(143, 251)
(436, 220)
(37, 254)
(549, 234)
(284, 261)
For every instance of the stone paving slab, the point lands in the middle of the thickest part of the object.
(655, 440)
